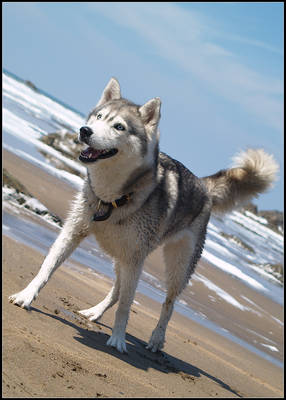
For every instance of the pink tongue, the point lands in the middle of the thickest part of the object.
(94, 153)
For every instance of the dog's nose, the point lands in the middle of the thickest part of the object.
(85, 132)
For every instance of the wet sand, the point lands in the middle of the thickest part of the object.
(51, 351)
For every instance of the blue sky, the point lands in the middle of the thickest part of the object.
(217, 67)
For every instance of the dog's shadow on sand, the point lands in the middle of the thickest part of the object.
(138, 356)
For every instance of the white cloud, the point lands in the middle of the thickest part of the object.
(187, 40)
(255, 43)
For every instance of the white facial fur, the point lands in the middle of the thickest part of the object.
(109, 175)
(106, 136)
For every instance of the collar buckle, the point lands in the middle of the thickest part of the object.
(114, 204)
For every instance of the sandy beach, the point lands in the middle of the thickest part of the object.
(51, 351)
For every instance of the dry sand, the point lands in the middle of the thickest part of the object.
(52, 351)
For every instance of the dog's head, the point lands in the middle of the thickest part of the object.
(118, 128)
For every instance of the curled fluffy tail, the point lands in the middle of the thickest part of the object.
(253, 172)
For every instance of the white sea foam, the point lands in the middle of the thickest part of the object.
(259, 335)
(231, 269)
(19, 127)
(261, 220)
(44, 107)
(272, 348)
(220, 292)
(278, 321)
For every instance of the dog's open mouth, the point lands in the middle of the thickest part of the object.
(91, 155)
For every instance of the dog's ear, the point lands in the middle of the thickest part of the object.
(150, 113)
(111, 92)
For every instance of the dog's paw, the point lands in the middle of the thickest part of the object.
(156, 341)
(93, 313)
(117, 342)
(22, 299)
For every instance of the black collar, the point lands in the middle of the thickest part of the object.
(98, 216)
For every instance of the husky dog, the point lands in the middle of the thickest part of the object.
(136, 198)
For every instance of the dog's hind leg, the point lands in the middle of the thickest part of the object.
(96, 312)
(74, 230)
(181, 256)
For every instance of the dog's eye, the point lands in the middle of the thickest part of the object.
(99, 116)
(119, 127)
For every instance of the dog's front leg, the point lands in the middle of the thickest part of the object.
(96, 312)
(129, 275)
(74, 230)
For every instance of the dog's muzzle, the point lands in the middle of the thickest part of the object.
(92, 154)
